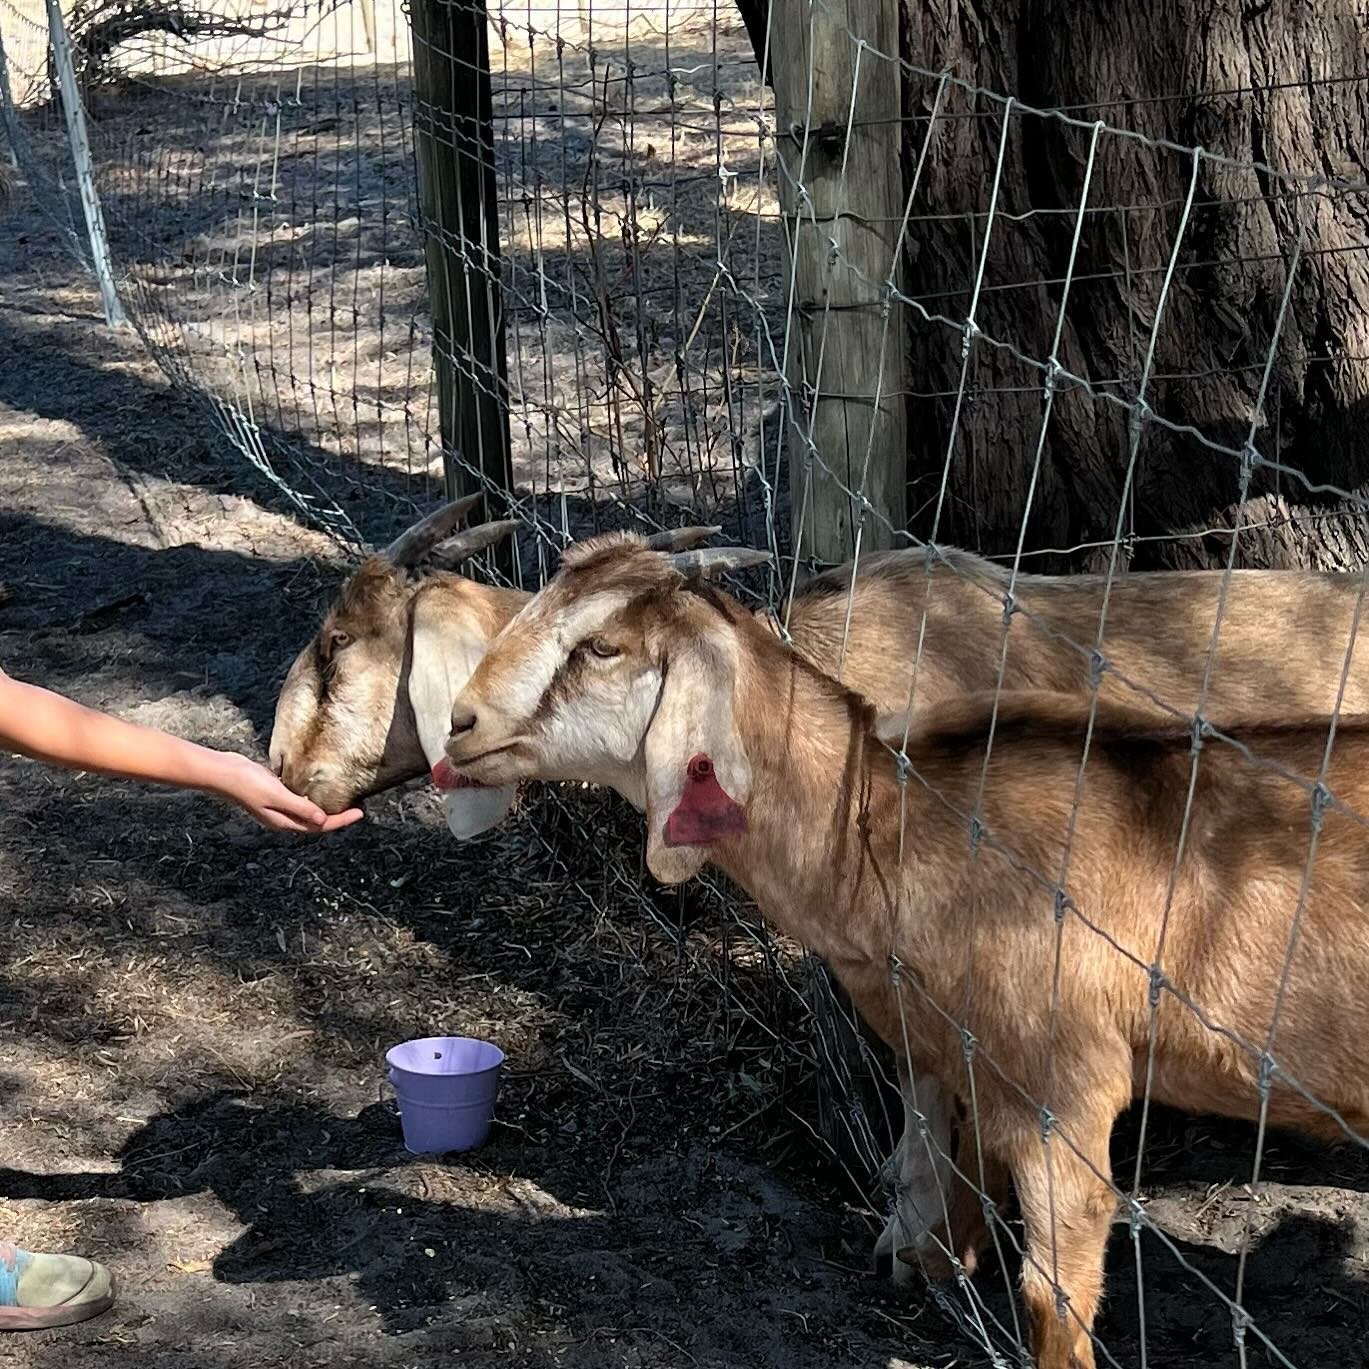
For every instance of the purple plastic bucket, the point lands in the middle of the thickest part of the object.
(445, 1088)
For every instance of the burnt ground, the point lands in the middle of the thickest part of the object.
(193, 1013)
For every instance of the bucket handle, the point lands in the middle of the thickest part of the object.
(387, 1105)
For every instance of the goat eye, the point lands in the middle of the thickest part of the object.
(338, 640)
(605, 651)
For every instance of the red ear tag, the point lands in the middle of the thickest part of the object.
(705, 812)
(446, 776)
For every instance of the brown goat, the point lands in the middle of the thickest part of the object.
(626, 672)
(347, 722)
(367, 703)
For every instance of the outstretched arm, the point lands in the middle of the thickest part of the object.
(48, 727)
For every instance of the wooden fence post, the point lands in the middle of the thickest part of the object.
(839, 143)
(8, 117)
(842, 196)
(73, 111)
(454, 143)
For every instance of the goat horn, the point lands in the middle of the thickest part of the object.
(464, 545)
(680, 539)
(410, 546)
(706, 562)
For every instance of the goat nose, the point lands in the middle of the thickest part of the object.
(463, 721)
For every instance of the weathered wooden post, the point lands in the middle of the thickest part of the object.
(838, 135)
(454, 143)
(73, 111)
(837, 117)
(7, 115)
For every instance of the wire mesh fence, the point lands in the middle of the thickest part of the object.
(862, 305)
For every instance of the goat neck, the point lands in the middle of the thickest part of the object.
(816, 855)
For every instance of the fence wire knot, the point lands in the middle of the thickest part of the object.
(1199, 732)
(1136, 1218)
(902, 767)
(1268, 1069)
(977, 834)
(1251, 461)
(1057, 378)
(1010, 606)
(1321, 801)
(1061, 903)
(1098, 664)
(968, 1042)
(1240, 1320)
(1047, 1124)
(968, 335)
(1158, 984)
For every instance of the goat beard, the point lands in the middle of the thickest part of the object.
(706, 812)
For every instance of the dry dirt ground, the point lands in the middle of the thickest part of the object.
(193, 1013)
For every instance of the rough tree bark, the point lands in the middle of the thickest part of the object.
(1255, 84)
(1250, 82)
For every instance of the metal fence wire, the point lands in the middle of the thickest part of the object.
(632, 284)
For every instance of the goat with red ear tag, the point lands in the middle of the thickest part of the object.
(621, 672)
(749, 757)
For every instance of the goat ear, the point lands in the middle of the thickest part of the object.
(680, 539)
(442, 658)
(698, 777)
(454, 551)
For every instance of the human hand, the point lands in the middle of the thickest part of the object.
(254, 788)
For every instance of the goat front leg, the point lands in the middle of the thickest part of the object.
(1067, 1202)
(921, 1170)
(937, 1229)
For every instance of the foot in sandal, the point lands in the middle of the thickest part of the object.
(39, 1291)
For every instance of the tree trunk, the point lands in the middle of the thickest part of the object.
(1251, 83)
(755, 16)
(1122, 64)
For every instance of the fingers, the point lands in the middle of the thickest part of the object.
(305, 811)
(335, 822)
(280, 809)
(279, 821)
(282, 822)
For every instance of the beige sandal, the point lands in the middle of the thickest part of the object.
(42, 1291)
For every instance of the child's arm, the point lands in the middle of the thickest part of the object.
(50, 728)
